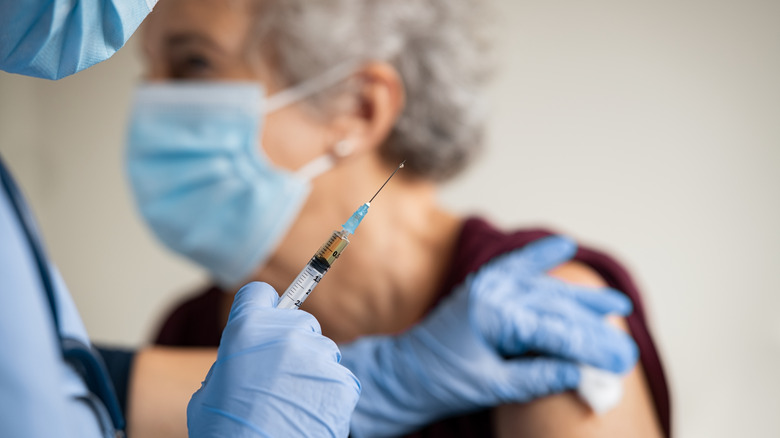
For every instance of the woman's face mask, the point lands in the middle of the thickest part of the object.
(201, 180)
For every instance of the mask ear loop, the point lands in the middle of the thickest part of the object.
(343, 148)
(308, 88)
(320, 165)
(311, 86)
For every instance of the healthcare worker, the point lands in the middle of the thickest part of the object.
(52, 381)
(274, 374)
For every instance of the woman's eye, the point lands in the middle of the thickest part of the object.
(192, 67)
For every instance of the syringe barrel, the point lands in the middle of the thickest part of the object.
(312, 273)
(333, 247)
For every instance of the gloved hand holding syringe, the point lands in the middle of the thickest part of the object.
(600, 389)
(323, 259)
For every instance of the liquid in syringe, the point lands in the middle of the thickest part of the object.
(324, 258)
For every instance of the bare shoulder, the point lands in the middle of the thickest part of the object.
(578, 273)
(564, 415)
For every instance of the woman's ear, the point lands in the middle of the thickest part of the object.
(376, 105)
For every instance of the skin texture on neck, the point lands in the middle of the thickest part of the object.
(398, 250)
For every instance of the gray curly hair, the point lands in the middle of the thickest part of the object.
(437, 46)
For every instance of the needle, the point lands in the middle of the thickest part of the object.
(400, 166)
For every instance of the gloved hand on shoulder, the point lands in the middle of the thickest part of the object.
(275, 376)
(471, 352)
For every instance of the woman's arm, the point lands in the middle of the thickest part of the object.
(162, 382)
(564, 415)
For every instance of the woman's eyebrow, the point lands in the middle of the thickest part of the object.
(190, 38)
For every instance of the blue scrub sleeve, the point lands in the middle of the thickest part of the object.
(52, 39)
(119, 363)
(31, 371)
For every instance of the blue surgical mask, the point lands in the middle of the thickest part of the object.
(201, 180)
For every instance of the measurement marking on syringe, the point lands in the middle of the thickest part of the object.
(323, 259)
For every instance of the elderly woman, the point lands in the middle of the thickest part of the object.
(353, 87)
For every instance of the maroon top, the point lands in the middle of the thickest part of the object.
(195, 322)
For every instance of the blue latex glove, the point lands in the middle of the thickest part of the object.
(456, 360)
(275, 376)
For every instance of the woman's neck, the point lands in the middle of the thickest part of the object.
(390, 273)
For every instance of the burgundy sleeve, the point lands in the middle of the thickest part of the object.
(618, 278)
(194, 322)
(480, 242)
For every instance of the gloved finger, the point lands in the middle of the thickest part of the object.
(578, 334)
(602, 300)
(255, 298)
(531, 378)
(566, 330)
(313, 346)
(253, 295)
(538, 256)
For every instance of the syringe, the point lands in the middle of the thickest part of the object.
(324, 258)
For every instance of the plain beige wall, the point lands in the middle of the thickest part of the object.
(650, 129)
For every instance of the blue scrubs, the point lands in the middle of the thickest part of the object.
(41, 393)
